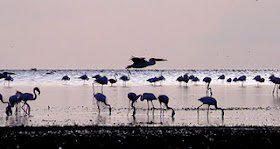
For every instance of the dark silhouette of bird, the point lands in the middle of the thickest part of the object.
(125, 78)
(9, 107)
(186, 78)
(65, 78)
(191, 77)
(96, 76)
(195, 79)
(258, 78)
(180, 79)
(208, 80)
(164, 99)
(84, 77)
(229, 80)
(222, 77)
(133, 98)
(100, 98)
(235, 79)
(149, 97)
(161, 78)
(242, 79)
(210, 101)
(103, 81)
(153, 80)
(5, 74)
(28, 96)
(8, 79)
(142, 63)
(276, 81)
(112, 81)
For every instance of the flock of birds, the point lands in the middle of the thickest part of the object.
(133, 97)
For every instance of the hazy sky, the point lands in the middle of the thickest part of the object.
(104, 34)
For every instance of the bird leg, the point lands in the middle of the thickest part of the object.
(128, 107)
(153, 105)
(210, 91)
(98, 106)
(273, 89)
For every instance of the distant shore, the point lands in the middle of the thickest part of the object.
(139, 137)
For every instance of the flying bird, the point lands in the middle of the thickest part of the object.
(142, 63)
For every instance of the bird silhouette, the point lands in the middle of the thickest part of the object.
(65, 78)
(27, 97)
(149, 97)
(103, 81)
(8, 79)
(258, 78)
(9, 107)
(276, 81)
(133, 98)
(164, 99)
(125, 78)
(180, 79)
(100, 98)
(242, 79)
(5, 74)
(112, 81)
(208, 80)
(142, 63)
(229, 80)
(222, 77)
(210, 101)
(84, 77)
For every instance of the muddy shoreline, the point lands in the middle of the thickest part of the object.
(139, 137)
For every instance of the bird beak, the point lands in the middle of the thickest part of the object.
(158, 59)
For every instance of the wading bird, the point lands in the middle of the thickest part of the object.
(276, 81)
(222, 77)
(27, 97)
(258, 78)
(133, 98)
(242, 79)
(164, 99)
(125, 78)
(112, 81)
(149, 97)
(84, 77)
(100, 98)
(8, 79)
(210, 101)
(65, 78)
(208, 88)
(142, 63)
(103, 81)
(13, 100)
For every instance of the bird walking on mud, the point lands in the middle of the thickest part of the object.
(142, 63)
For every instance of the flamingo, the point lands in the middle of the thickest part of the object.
(103, 81)
(210, 101)
(149, 97)
(125, 78)
(179, 79)
(229, 80)
(276, 81)
(65, 78)
(142, 63)
(222, 77)
(133, 98)
(100, 98)
(84, 77)
(258, 78)
(153, 80)
(161, 78)
(9, 79)
(242, 79)
(164, 99)
(112, 81)
(186, 78)
(208, 81)
(8, 108)
(5, 74)
(26, 97)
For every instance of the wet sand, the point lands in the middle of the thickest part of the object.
(67, 115)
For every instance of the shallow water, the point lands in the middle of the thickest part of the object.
(65, 104)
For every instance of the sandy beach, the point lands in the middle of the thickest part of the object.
(68, 105)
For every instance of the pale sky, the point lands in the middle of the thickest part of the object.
(104, 34)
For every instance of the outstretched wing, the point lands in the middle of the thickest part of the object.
(137, 59)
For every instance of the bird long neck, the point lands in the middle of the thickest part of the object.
(35, 95)
(3, 101)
